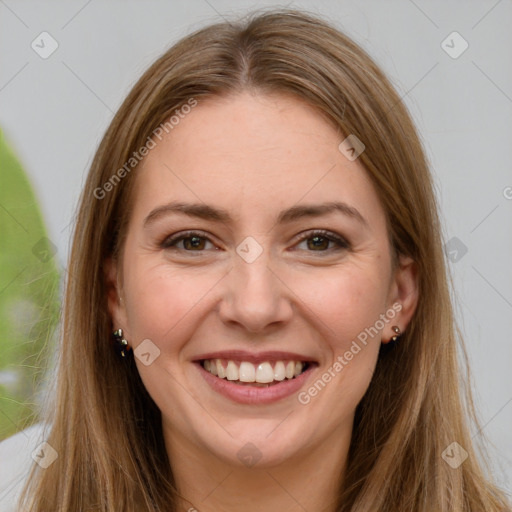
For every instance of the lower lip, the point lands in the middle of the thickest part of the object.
(246, 394)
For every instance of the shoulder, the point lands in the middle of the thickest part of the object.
(15, 463)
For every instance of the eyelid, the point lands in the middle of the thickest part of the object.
(304, 235)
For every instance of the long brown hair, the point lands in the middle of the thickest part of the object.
(105, 427)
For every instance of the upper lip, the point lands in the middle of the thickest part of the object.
(255, 358)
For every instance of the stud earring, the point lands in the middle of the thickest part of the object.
(120, 344)
(398, 334)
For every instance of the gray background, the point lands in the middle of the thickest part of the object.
(54, 111)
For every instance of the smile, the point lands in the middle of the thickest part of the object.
(255, 383)
(246, 373)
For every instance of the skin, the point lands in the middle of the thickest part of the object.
(255, 155)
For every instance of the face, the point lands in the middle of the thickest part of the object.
(259, 273)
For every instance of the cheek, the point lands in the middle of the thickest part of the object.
(344, 306)
(164, 304)
(162, 298)
(344, 301)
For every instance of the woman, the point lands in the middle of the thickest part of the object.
(259, 240)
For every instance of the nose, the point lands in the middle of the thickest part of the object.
(256, 298)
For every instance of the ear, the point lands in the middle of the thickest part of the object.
(116, 306)
(403, 291)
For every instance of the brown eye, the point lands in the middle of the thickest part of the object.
(319, 241)
(192, 242)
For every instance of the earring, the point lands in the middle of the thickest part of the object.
(120, 344)
(398, 334)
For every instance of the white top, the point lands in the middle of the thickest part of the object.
(15, 462)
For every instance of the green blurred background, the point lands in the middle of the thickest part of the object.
(29, 298)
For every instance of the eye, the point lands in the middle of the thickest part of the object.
(193, 241)
(319, 240)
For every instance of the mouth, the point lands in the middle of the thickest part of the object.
(255, 382)
(263, 375)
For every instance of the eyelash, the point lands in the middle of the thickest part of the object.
(170, 241)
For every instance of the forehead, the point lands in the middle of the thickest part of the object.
(253, 153)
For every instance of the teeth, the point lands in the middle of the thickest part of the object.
(232, 371)
(247, 372)
(290, 370)
(221, 373)
(279, 371)
(262, 373)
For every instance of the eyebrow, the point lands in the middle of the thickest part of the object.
(207, 212)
